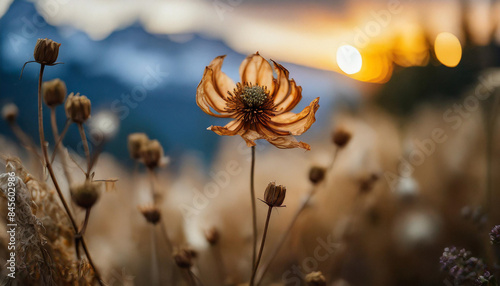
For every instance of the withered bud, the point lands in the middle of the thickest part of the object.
(151, 213)
(135, 143)
(341, 137)
(77, 108)
(10, 112)
(151, 153)
(212, 236)
(46, 51)
(85, 195)
(315, 279)
(317, 174)
(367, 184)
(54, 92)
(274, 195)
(184, 257)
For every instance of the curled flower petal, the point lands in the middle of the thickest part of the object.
(288, 142)
(282, 85)
(232, 128)
(291, 100)
(256, 70)
(208, 98)
(298, 123)
(222, 83)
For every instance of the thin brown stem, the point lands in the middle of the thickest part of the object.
(40, 110)
(152, 181)
(25, 140)
(288, 230)
(190, 277)
(155, 264)
(52, 175)
(219, 262)
(165, 237)
(58, 149)
(59, 141)
(261, 245)
(284, 236)
(86, 148)
(254, 208)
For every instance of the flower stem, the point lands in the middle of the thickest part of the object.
(53, 177)
(155, 267)
(58, 142)
(254, 209)
(287, 232)
(86, 148)
(261, 245)
(58, 149)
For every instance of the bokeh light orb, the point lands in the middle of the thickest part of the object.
(448, 49)
(349, 59)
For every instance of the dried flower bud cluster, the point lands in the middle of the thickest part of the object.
(212, 236)
(54, 92)
(135, 143)
(461, 266)
(77, 108)
(10, 112)
(151, 213)
(341, 137)
(184, 257)
(46, 51)
(315, 279)
(151, 153)
(85, 195)
(317, 174)
(274, 195)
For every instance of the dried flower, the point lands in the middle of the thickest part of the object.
(151, 213)
(85, 195)
(54, 92)
(184, 257)
(317, 174)
(274, 195)
(341, 137)
(260, 104)
(463, 268)
(151, 153)
(315, 279)
(46, 51)
(495, 235)
(135, 143)
(212, 236)
(367, 184)
(10, 112)
(77, 108)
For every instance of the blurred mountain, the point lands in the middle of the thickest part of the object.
(148, 80)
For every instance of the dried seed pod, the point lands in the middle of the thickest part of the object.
(54, 92)
(315, 279)
(77, 108)
(85, 195)
(135, 143)
(10, 112)
(274, 195)
(212, 236)
(317, 174)
(184, 258)
(151, 213)
(151, 154)
(341, 137)
(46, 51)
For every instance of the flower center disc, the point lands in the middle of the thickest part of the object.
(254, 96)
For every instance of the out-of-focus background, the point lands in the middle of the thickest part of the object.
(416, 83)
